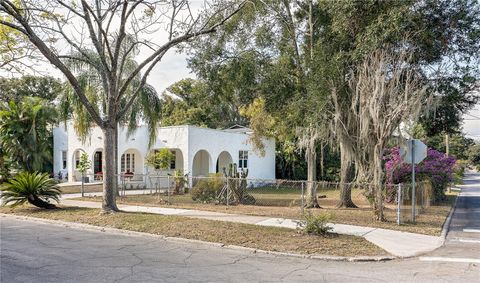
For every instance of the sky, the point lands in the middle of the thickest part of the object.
(171, 69)
(471, 123)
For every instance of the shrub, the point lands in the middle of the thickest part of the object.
(459, 171)
(207, 190)
(316, 224)
(35, 188)
(160, 159)
(180, 180)
(248, 200)
(436, 167)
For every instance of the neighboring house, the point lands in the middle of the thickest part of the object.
(198, 151)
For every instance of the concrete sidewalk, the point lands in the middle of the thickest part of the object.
(397, 243)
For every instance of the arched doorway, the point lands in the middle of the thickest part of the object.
(131, 162)
(224, 160)
(98, 164)
(97, 161)
(201, 163)
(77, 154)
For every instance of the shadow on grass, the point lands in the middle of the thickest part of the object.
(34, 209)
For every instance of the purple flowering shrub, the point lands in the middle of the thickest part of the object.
(436, 167)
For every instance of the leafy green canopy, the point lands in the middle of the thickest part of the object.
(145, 109)
(47, 88)
(194, 102)
(267, 53)
(25, 132)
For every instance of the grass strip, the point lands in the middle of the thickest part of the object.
(252, 236)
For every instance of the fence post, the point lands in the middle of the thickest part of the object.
(399, 200)
(228, 189)
(302, 204)
(82, 190)
(168, 189)
(124, 187)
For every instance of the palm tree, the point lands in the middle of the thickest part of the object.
(25, 134)
(35, 188)
(145, 109)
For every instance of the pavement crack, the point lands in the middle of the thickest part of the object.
(140, 261)
(187, 258)
(295, 270)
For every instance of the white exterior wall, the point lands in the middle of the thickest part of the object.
(217, 141)
(93, 143)
(60, 143)
(187, 139)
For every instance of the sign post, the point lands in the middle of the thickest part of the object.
(414, 201)
(413, 154)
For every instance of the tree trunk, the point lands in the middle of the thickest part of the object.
(311, 200)
(117, 189)
(109, 179)
(34, 200)
(3, 169)
(347, 174)
(322, 162)
(378, 183)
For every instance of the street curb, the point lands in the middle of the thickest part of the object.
(89, 227)
(446, 225)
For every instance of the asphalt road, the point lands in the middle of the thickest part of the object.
(463, 238)
(36, 252)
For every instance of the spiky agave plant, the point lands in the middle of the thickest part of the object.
(35, 188)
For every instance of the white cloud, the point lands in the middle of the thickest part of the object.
(172, 68)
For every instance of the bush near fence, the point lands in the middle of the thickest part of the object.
(206, 190)
(258, 192)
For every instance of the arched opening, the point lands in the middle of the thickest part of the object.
(201, 163)
(177, 162)
(224, 160)
(131, 163)
(97, 159)
(77, 154)
(158, 177)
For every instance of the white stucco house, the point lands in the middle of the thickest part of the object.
(198, 151)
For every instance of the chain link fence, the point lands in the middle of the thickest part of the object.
(293, 195)
(220, 190)
(407, 207)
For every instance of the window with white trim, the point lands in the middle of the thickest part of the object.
(243, 159)
(127, 162)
